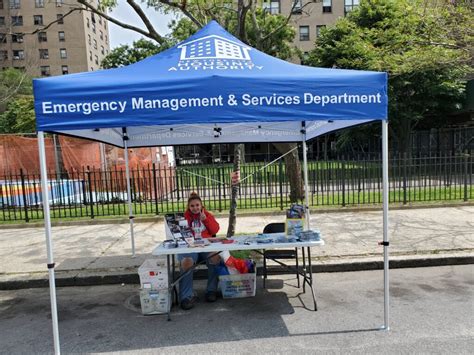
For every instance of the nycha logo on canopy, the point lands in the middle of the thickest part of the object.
(214, 53)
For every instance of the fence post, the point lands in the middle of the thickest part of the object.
(155, 188)
(220, 189)
(23, 189)
(466, 159)
(177, 182)
(91, 201)
(343, 182)
(280, 179)
(405, 178)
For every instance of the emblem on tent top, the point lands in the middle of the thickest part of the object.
(214, 53)
(214, 47)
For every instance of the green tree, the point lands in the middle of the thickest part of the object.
(19, 116)
(125, 54)
(16, 102)
(425, 48)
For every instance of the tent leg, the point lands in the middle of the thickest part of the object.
(306, 185)
(49, 243)
(385, 243)
(129, 198)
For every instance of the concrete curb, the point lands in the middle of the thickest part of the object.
(130, 276)
(125, 220)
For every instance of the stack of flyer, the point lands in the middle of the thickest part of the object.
(154, 295)
(295, 220)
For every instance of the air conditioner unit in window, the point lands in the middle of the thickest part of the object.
(46, 56)
(19, 40)
(16, 57)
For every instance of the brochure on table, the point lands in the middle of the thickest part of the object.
(180, 239)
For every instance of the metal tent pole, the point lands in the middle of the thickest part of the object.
(129, 191)
(49, 243)
(306, 189)
(385, 242)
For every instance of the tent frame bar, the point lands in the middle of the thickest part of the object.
(49, 242)
(385, 243)
(129, 190)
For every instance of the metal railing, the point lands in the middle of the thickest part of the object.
(156, 190)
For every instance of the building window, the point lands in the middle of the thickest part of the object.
(93, 27)
(38, 20)
(90, 56)
(61, 36)
(106, 40)
(60, 19)
(59, 3)
(102, 50)
(45, 71)
(89, 39)
(64, 69)
(18, 54)
(100, 20)
(96, 61)
(3, 38)
(327, 5)
(88, 22)
(1, 4)
(95, 44)
(271, 6)
(39, 3)
(318, 29)
(44, 54)
(15, 4)
(101, 35)
(297, 7)
(17, 38)
(17, 20)
(349, 5)
(63, 53)
(304, 59)
(2, 21)
(304, 33)
(105, 24)
(3, 55)
(42, 37)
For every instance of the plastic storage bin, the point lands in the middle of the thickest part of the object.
(154, 301)
(238, 286)
(153, 274)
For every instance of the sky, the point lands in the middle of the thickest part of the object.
(124, 13)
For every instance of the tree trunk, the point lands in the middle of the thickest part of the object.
(235, 191)
(293, 170)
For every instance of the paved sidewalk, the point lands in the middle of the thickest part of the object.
(97, 254)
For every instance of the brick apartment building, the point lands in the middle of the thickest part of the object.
(75, 43)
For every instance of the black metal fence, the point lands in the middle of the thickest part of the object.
(156, 190)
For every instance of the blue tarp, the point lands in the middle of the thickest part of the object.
(211, 79)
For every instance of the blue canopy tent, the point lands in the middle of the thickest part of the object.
(211, 88)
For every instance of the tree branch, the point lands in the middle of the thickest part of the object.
(283, 25)
(155, 36)
(183, 7)
(57, 20)
(138, 10)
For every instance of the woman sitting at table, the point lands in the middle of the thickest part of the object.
(203, 224)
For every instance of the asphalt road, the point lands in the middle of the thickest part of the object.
(431, 312)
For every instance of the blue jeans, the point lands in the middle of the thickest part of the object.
(186, 283)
